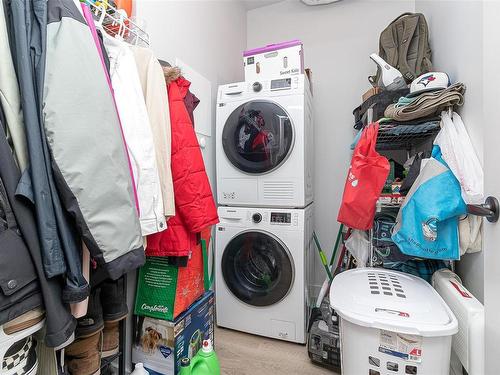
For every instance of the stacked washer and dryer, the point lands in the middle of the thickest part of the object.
(264, 251)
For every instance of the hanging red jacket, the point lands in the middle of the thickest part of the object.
(195, 207)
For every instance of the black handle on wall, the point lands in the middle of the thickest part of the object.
(489, 209)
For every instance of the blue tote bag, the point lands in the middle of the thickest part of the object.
(427, 223)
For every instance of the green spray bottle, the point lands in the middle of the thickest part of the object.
(205, 362)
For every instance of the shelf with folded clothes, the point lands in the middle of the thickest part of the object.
(414, 119)
(411, 119)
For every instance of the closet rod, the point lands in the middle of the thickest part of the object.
(121, 21)
(489, 209)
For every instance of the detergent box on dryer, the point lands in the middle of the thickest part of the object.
(161, 344)
(274, 61)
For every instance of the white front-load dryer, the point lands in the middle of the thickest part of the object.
(264, 143)
(264, 262)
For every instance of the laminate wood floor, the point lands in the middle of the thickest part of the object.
(244, 354)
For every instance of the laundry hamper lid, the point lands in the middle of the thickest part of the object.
(393, 301)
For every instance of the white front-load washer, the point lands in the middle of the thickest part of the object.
(264, 262)
(264, 143)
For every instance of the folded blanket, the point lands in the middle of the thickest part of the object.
(428, 103)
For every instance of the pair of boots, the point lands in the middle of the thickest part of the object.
(97, 333)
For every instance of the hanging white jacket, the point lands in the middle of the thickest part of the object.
(137, 131)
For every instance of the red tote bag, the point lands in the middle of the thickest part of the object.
(365, 180)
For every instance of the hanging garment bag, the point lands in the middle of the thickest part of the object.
(365, 180)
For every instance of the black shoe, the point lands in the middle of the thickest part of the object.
(114, 300)
(93, 321)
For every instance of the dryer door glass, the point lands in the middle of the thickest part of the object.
(257, 268)
(257, 136)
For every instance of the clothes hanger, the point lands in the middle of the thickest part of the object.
(164, 63)
(103, 15)
(121, 30)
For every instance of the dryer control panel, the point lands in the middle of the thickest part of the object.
(282, 84)
(238, 91)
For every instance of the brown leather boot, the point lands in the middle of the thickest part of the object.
(83, 356)
(111, 339)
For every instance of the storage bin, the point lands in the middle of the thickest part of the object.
(274, 61)
(391, 323)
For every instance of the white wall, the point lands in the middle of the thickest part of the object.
(337, 41)
(209, 36)
(491, 62)
(458, 50)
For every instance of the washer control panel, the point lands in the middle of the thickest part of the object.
(281, 217)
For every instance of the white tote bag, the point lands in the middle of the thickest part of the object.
(458, 152)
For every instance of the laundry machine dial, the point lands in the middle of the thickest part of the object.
(256, 217)
(257, 86)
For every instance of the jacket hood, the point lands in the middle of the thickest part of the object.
(174, 74)
(171, 73)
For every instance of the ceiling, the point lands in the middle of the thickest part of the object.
(252, 4)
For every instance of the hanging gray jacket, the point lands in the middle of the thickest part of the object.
(83, 133)
(61, 247)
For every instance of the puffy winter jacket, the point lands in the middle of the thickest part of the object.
(194, 203)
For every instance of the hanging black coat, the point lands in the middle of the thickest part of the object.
(22, 276)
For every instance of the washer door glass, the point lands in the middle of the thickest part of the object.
(257, 136)
(257, 268)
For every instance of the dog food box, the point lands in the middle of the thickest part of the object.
(274, 61)
(161, 344)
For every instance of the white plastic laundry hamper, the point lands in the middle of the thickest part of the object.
(391, 323)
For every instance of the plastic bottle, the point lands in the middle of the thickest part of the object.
(185, 367)
(205, 362)
(139, 370)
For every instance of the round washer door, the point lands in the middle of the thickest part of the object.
(257, 268)
(258, 136)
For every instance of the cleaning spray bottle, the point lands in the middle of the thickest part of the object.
(205, 362)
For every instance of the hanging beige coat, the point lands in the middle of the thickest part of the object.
(156, 97)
